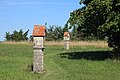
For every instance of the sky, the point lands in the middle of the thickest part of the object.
(24, 14)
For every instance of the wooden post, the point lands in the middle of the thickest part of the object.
(66, 40)
(38, 39)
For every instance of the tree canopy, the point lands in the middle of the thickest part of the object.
(98, 18)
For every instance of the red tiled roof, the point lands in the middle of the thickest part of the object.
(66, 34)
(39, 30)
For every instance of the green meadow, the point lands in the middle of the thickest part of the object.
(78, 63)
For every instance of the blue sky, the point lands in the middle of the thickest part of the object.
(23, 14)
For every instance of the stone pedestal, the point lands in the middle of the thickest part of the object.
(66, 40)
(66, 45)
(38, 55)
(38, 60)
(38, 39)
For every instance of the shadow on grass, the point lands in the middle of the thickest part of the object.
(91, 55)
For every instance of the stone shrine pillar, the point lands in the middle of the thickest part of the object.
(66, 40)
(38, 46)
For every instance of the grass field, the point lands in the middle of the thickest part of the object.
(81, 62)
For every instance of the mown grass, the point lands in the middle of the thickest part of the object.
(78, 63)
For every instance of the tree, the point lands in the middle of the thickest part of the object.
(65, 28)
(17, 35)
(25, 35)
(50, 31)
(7, 36)
(58, 33)
(100, 19)
(20, 33)
(54, 32)
(31, 38)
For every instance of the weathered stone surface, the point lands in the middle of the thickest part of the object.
(66, 45)
(38, 55)
(66, 38)
(38, 42)
(38, 61)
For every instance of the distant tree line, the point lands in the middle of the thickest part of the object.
(53, 33)
(17, 35)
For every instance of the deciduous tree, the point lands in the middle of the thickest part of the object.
(98, 18)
